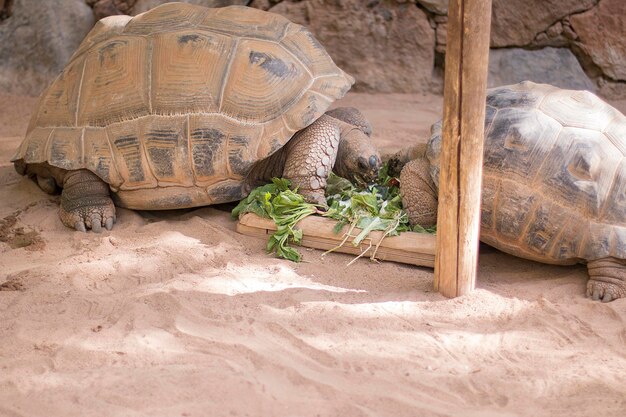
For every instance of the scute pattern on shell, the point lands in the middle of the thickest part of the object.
(183, 96)
(554, 178)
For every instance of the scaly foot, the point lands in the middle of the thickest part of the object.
(607, 279)
(85, 202)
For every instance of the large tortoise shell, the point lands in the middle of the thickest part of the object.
(554, 178)
(183, 96)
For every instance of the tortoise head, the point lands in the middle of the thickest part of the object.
(357, 158)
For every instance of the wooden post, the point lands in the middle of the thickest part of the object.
(460, 180)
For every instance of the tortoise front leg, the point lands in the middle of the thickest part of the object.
(311, 155)
(419, 193)
(607, 279)
(86, 202)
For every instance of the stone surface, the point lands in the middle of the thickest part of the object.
(442, 37)
(387, 46)
(569, 33)
(145, 5)
(517, 22)
(436, 6)
(602, 36)
(556, 66)
(5, 9)
(261, 4)
(104, 8)
(37, 40)
(612, 90)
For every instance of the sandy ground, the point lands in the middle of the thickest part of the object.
(175, 314)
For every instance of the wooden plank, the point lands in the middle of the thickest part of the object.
(460, 180)
(408, 247)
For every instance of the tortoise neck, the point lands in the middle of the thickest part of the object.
(351, 140)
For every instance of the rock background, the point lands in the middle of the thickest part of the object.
(399, 45)
(388, 45)
(37, 38)
(103, 8)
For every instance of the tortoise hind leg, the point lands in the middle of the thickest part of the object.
(607, 279)
(86, 202)
(43, 174)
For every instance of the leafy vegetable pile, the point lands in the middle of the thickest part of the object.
(377, 207)
(286, 207)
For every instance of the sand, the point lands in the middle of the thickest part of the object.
(175, 314)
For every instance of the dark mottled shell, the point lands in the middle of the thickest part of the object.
(554, 179)
(182, 96)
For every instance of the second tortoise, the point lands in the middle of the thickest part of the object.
(554, 181)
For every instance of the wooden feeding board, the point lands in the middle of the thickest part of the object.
(317, 232)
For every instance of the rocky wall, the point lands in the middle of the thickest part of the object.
(388, 45)
(103, 8)
(577, 44)
(37, 39)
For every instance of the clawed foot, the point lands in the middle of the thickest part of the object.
(86, 203)
(607, 279)
(94, 217)
(603, 291)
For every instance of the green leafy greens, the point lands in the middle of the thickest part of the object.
(376, 207)
(286, 207)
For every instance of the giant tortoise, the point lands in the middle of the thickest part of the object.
(554, 181)
(184, 106)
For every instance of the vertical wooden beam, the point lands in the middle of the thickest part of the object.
(460, 180)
